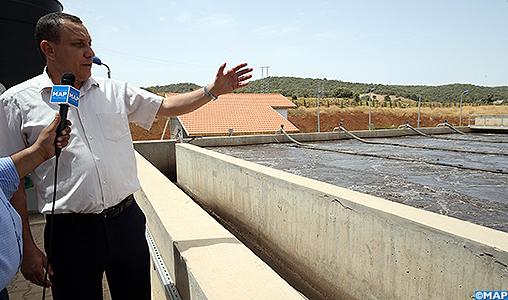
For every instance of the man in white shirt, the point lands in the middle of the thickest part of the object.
(98, 226)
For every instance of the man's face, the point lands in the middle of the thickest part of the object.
(73, 54)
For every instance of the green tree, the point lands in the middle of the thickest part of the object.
(488, 100)
(357, 98)
(342, 92)
(449, 93)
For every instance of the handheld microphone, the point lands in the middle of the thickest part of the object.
(64, 95)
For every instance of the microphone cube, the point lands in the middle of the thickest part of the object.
(65, 94)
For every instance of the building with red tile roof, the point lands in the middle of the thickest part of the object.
(243, 113)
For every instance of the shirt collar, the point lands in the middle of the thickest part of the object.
(88, 84)
(46, 83)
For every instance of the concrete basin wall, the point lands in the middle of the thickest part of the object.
(314, 137)
(205, 260)
(341, 244)
(162, 153)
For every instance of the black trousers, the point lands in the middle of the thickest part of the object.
(82, 250)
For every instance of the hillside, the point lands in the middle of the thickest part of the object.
(173, 88)
(353, 118)
(293, 87)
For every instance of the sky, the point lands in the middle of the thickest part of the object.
(430, 42)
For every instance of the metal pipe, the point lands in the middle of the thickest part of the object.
(424, 147)
(165, 127)
(414, 129)
(352, 135)
(439, 163)
(179, 135)
(450, 126)
(446, 124)
(287, 135)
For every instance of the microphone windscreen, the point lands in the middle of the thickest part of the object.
(68, 79)
(97, 60)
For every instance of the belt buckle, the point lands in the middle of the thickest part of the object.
(108, 213)
(117, 209)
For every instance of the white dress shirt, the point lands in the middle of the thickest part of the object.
(97, 169)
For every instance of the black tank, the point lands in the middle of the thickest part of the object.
(19, 58)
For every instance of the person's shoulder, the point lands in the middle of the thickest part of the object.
(104, 80)
(107, 83)
(30, 84)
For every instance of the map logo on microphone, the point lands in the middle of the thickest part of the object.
(64, 94)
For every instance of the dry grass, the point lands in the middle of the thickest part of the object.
(440, 112)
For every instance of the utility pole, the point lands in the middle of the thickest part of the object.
(370, 100)
(460, 118)
(318, 98)
(419, 103)
(265, 80)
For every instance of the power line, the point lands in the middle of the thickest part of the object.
(265, 80)
(131, 56)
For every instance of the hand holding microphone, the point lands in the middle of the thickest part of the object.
(64, 95)
(50, 136)
(43, 148)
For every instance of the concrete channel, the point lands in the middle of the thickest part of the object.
(468, 185)
(377, 237)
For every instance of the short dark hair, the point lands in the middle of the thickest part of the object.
(49, 28)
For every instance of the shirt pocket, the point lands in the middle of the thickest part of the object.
(114, 126)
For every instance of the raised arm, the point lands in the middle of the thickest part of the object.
(225, 82)
(34, 261)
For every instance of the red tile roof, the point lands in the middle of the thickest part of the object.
(245, 113)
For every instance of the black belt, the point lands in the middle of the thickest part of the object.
(107, 214)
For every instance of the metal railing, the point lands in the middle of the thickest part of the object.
(488, 120)
(166, 280)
